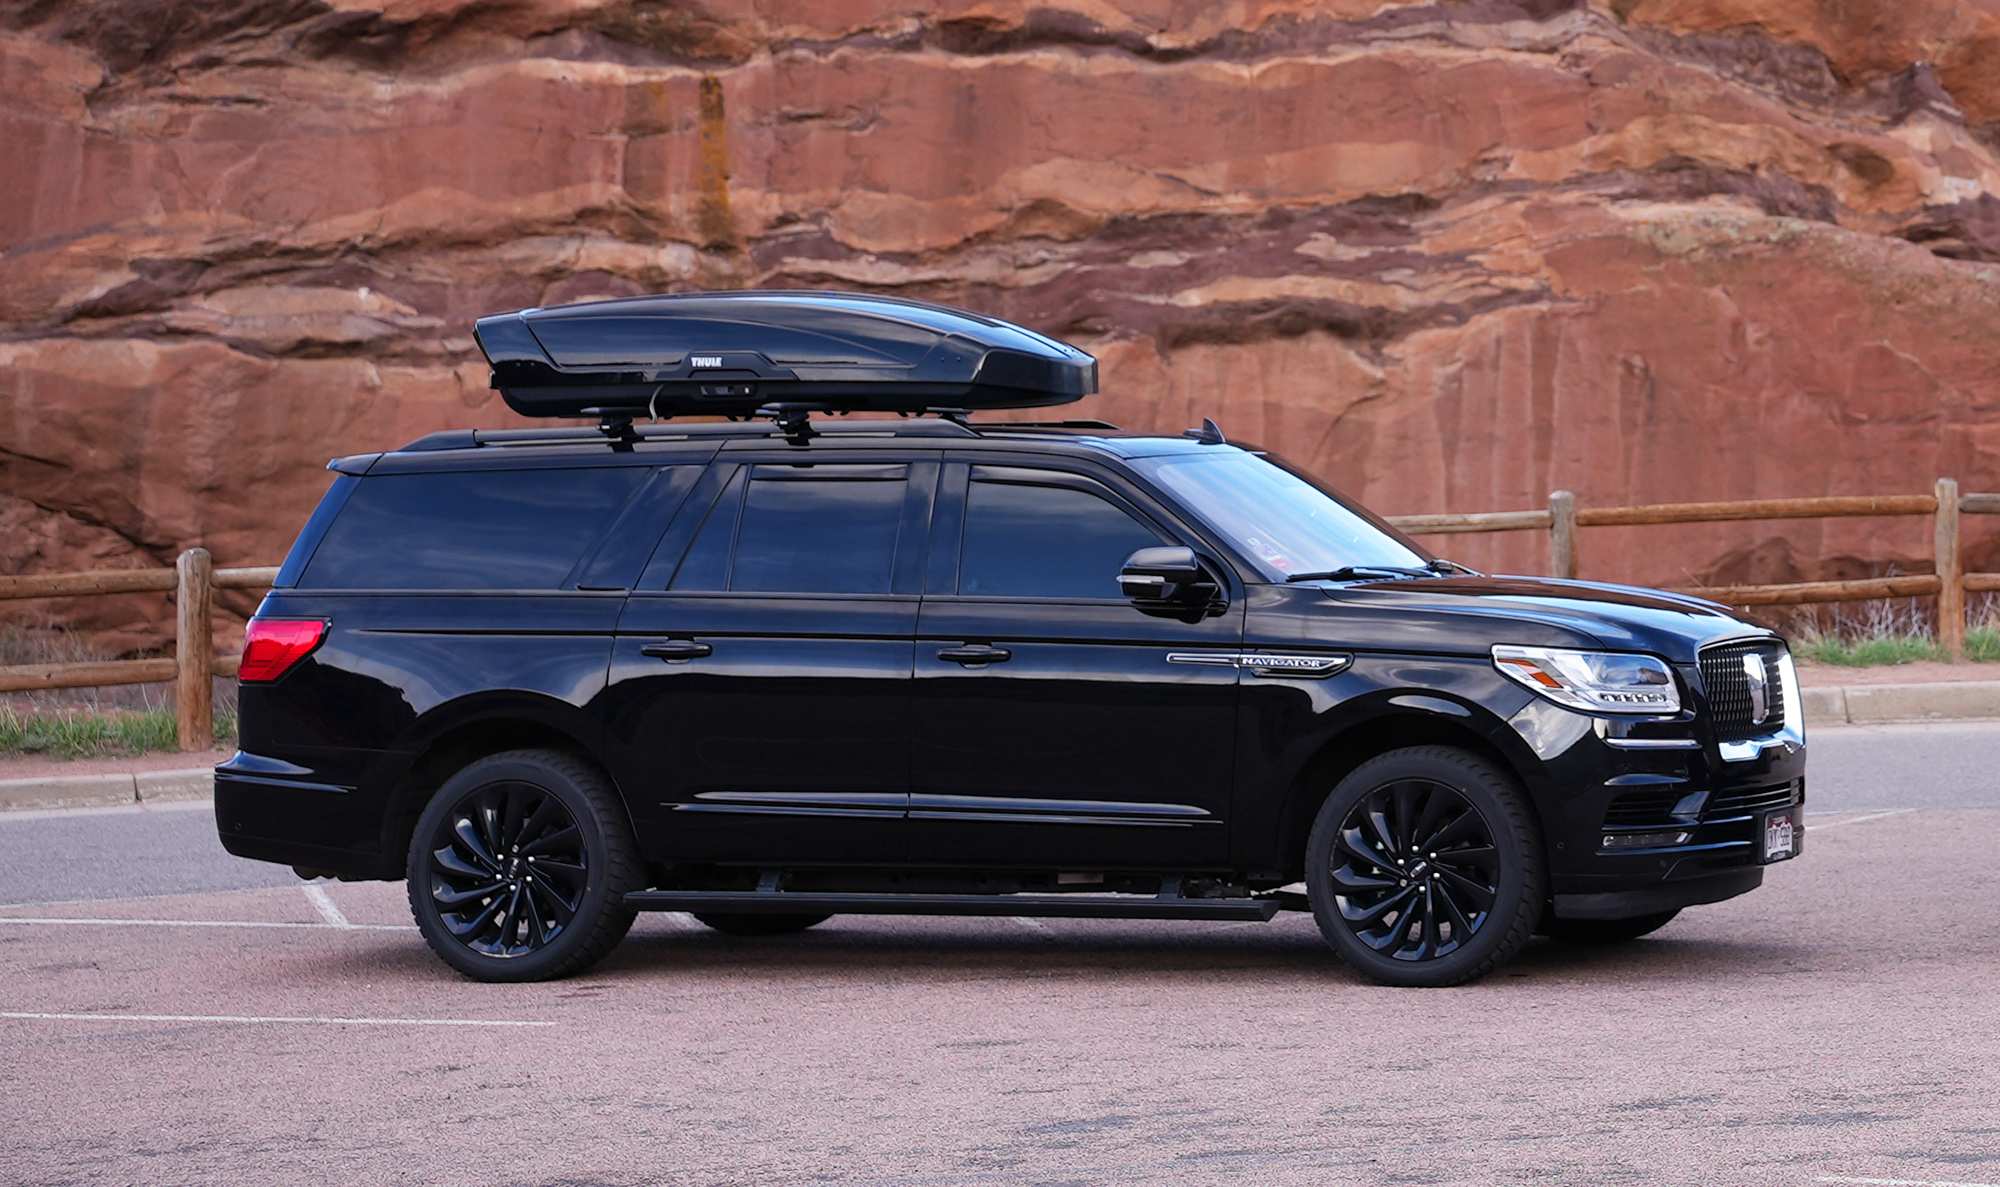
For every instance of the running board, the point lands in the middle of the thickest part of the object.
(1051, 906)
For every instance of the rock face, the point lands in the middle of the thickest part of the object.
(1450, 256)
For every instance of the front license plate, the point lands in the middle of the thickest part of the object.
(1781, 834)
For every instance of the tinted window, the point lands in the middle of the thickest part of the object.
(801, 529)
(489, 529)
(1045, 542)
(1283, 523)
(706, 565)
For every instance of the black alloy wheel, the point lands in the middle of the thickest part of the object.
(1603, 933)
(1424, 868)
(519, 866)
(745, 923)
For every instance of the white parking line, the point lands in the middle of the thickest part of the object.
(262, 1018)
(323, 903)
(1035, 925)
(1859, 820)
(1901, 1182)
(207, 923)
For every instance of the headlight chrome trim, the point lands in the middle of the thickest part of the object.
(1613, 682)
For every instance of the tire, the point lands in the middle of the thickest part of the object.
(1603, 933)
(747, 924)
(1424, 868)
(496, 914)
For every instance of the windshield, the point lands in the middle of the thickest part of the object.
(1279, 521)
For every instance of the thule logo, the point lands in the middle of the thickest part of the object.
(705, 360)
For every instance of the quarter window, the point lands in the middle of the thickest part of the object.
(481, 529)
(1045, 542)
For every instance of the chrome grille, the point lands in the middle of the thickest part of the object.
(1727, 685)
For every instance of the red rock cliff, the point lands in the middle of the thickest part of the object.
(1450, 256)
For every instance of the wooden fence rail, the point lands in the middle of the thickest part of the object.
(193, 581)
(1949, 582)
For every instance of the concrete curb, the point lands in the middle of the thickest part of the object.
(106, 791)
(1883, 704)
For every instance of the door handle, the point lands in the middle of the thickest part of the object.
(676, 650)
(976, 653)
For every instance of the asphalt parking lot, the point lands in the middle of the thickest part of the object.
(169, 1015)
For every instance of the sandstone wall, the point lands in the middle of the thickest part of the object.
(1450, 256)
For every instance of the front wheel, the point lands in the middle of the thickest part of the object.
(1424, 867)
(519, 866)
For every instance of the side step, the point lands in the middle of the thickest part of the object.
(1052, 906)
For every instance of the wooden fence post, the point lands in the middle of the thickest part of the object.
(1562, 534)
(194, 649)
(1950, 571)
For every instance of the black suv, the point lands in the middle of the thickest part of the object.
(774, 668)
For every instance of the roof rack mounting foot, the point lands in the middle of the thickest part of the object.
(793, 420)
(618, 427)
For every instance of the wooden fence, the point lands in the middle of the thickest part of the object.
(193, 581)
(1949, 582)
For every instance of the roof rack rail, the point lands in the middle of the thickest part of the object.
(1045, 424)
(586, 435)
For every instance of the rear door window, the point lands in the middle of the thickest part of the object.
(829, 529)
(1034, 541)
(485, 529)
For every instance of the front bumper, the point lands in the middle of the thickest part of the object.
(1652, 900)
(1655, 817)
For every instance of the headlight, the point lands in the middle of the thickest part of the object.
(1594, 681)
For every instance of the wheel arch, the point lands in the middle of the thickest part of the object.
(454, 736)
(1377, 734)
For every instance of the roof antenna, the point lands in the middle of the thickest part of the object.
(1208, 434)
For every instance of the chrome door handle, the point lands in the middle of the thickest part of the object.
(676, 650)
(976, 653)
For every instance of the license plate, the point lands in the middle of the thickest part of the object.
(1781, 834)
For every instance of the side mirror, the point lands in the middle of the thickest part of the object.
(1165, 574)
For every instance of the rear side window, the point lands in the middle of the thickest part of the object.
(800, 529)
(1045, 542)
(484, 529)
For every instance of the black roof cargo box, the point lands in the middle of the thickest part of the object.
(729, 354)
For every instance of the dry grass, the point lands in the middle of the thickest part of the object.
(1890, 631)
(83, 733)
(117, 720)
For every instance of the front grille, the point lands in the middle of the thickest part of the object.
(1757, 799)
(1652, 806)
(1727, 686)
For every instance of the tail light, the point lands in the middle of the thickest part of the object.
(272, 645)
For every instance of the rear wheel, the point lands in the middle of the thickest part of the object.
(1602, 933)
(1424, 867)
(746, 924)
(519, 866)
